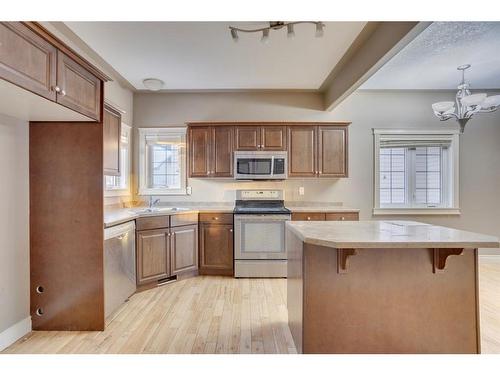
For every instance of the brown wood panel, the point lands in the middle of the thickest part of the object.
(332, 151)
(273, 138)
(302, 151)
(184, 249)
(342, 216)
(265, 123)
(222, 151)
(80, 90)
(152, 222)
(112, 123)
(27, 60)
(390, 301)
(216, 218)
(153, 261)
(216, 249)
(247, 138)
(308, 216)
(295, 288)
(66, 227)
(187, 218)
(199, 152)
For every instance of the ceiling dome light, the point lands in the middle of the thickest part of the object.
(234, 35)
(153, 84)
(289, 30)
(265, 36)
(319, 29)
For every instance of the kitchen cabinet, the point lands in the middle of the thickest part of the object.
(317, 151)
(111, 139)
(153, 261)
(184, 249)
(260, 138)
(211, 151)
(216, 244)
(27, 60)
(322, 216)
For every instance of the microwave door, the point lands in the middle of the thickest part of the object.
(254, 167)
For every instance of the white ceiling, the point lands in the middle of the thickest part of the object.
(431, 59)
(202, 55)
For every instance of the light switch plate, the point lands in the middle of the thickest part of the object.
(301, 190)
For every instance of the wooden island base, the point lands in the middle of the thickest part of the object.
(388, 300)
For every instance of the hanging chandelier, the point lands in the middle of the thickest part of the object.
(467, 104)
(276, 25)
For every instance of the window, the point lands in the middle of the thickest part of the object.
(416, 172)
(119, 185)
(162, 164)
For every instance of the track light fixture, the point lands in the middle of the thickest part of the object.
(277, 25)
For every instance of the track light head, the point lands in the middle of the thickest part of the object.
(234, 35)
(265, 36)
(319, 29)
(289, 30)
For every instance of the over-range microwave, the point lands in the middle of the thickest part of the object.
(260, 165)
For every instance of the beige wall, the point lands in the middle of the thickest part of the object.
(14, 222)
(480, 153)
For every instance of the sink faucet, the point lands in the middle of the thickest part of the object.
(152, 202)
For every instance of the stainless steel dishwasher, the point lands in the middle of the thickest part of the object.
(119, 265)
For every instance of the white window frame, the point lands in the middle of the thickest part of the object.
(453, 156)
(144, 189)
(126, 131)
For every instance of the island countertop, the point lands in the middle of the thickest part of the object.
(387, 234)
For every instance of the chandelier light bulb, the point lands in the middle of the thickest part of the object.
(319, 29)
(234, 35)
(265, 36)
(289, 31)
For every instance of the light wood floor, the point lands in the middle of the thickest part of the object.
(219, 315)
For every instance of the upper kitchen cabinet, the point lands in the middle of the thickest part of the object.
(211, 151)
(111, 126)
(318, 151)
(77, 88)
(260, 138)
(27, 60)
(33, 61)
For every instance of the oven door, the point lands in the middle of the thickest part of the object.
(260, 236)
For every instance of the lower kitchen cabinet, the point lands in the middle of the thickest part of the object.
(322, 216)
(153, 261)
(184, 249)
(216, 248)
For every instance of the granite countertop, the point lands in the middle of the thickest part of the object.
(387, 234)
(122, 215)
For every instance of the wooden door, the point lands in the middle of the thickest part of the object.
(153, 261)
(302, 151)
(78, 89)
(222, 151)
(273, 138)
(216, 249)
(199, 151)
(112, 135)
(184, 249)
(247, 138)
(27, 60)
(332, 151)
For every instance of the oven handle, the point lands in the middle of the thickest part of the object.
(259, 217)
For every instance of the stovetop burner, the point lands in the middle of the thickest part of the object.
(260, 207)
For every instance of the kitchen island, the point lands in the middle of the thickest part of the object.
(383, 287)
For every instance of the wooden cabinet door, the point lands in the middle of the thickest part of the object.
(216, 249)
(153, 261)
(302, 151)
(308, 216)
(27, 60)
(247, 138)
(342, 216)
(111, 140)
(332, 151)
(78, 89)
(184, 249)
(273, 138)
(199, 151)
(222, 151)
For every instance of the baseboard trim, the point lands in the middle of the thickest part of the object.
(15, 332)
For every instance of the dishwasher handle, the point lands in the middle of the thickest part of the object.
(119, 231)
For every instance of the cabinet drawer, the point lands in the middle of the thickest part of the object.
(341, 216)
(216, 217)
(188, 218)
(308, 216)
(153, 222)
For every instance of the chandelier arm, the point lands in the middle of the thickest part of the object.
(273, 28)
(488, 110)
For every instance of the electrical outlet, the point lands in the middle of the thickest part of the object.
(189, 190)
(301, 190)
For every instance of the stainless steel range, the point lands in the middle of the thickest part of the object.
(259, 233)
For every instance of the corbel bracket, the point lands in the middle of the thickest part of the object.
(441, 255)
(342, 256)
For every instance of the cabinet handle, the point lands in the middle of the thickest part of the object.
(57, 89)
(168, 235)
(342, 218)
(63, 92)
(215, 218)
(309, 218)
(231, 229)
(319, 172)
